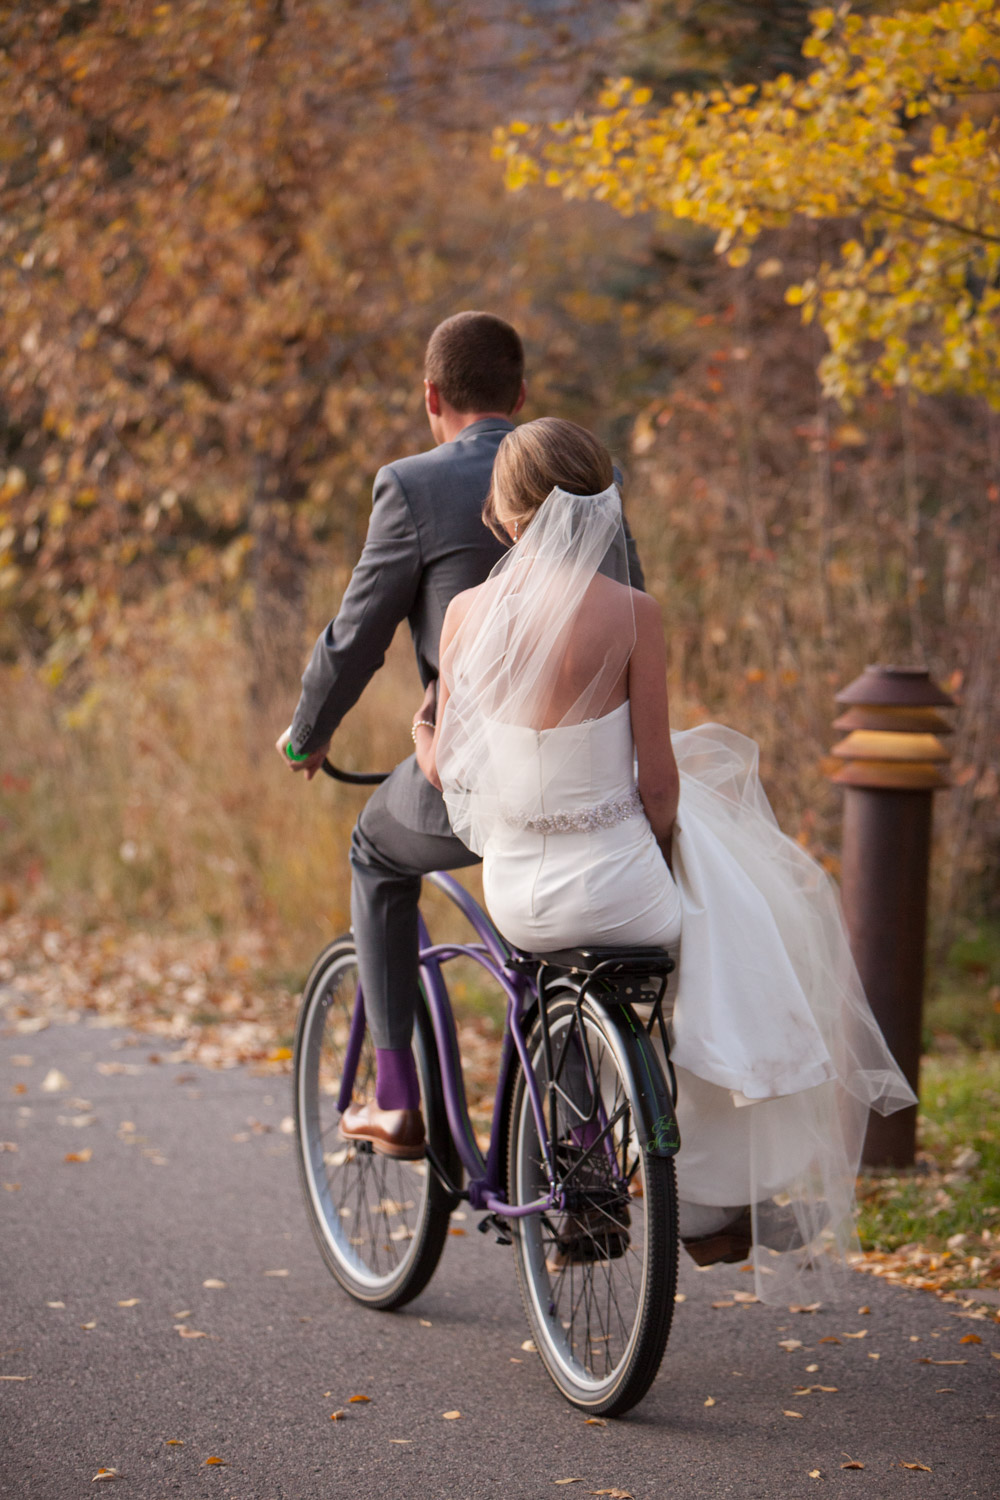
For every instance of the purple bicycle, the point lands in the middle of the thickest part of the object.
(579, 1173)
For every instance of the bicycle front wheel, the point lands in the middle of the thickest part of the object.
(380, 1223)
(598, 1278)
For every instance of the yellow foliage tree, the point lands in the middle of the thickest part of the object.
(895, 128)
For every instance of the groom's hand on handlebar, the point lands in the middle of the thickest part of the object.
(312, 763)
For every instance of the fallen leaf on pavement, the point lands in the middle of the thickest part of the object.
(190, 1333)
(970, 1338)
(791, 1414)
(922, 1468)
(815, 1474)
(9, 1146)
(185, 1314)
(287, 1126)
(680, 1296)
(567, 1481)
(105, 1474)
(710, 1401)
(84, 1155)
(862, 1311)
(529, 1346)
(175, 1442)
(594, 1422)
(723, 1304)
(215, 1284)
(357, 1398)
(214, 1460)
(55, 1082)
(615, 1494)
(925, 1361)
(451, 1416)
(55, 1304)
(130, 1302)
(338, 1415)
(88, 1326)
(426, 1323)
(862, 1335)
(15, 1377)
(748, 1297)
(789, 1344)
(404, 1442)
(852, 1463)
(805, 1307)
(12, 1187)
(829, 1339)
(452, 1229)
(275, 1273)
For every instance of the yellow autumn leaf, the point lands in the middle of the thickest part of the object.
(451, 1416)
(921, 1467)
(215, 1460)
(358, 1398)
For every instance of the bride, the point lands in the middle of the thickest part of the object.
(598, 827)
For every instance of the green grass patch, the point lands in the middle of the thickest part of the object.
(955, 1187)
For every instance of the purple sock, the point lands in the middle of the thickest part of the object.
(396, 1085)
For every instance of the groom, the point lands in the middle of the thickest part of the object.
(426, 542)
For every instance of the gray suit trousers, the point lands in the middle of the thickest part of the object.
(388, 858)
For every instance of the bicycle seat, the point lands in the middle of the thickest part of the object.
(611, 960)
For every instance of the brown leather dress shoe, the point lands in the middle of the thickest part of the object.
(391, 1132)
(777, 1229)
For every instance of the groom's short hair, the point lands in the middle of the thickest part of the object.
(476, 361)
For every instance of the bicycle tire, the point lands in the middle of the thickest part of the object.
(380, 1223)
(598, 1285)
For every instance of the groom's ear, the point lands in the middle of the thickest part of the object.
(432, 399)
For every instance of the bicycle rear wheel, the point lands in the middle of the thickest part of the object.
(380, 1223)
(597, 1279)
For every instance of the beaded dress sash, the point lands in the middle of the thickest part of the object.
(579, 819)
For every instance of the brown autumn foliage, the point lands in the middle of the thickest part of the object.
(228, 226)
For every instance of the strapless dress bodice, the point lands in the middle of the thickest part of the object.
(567, 772)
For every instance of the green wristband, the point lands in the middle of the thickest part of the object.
(292, 755)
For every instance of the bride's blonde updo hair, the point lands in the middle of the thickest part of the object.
(536, 458)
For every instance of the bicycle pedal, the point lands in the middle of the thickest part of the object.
(499, 1227)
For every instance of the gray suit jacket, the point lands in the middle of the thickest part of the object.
(426, 542)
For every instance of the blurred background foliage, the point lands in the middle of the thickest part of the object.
(228, 227)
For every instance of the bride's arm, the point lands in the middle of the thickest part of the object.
(659, 782)
(425, 740)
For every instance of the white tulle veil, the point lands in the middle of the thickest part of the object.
(515, 660)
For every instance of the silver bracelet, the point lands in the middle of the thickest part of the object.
(417, 723)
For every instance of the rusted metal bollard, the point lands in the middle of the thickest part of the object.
(893, 762)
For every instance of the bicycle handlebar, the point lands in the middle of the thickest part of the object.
(354, 778)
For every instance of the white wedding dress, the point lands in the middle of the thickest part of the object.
(777, 1054)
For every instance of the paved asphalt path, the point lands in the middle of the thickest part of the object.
(196, 1191)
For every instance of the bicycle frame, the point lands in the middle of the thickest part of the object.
(513, 973)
